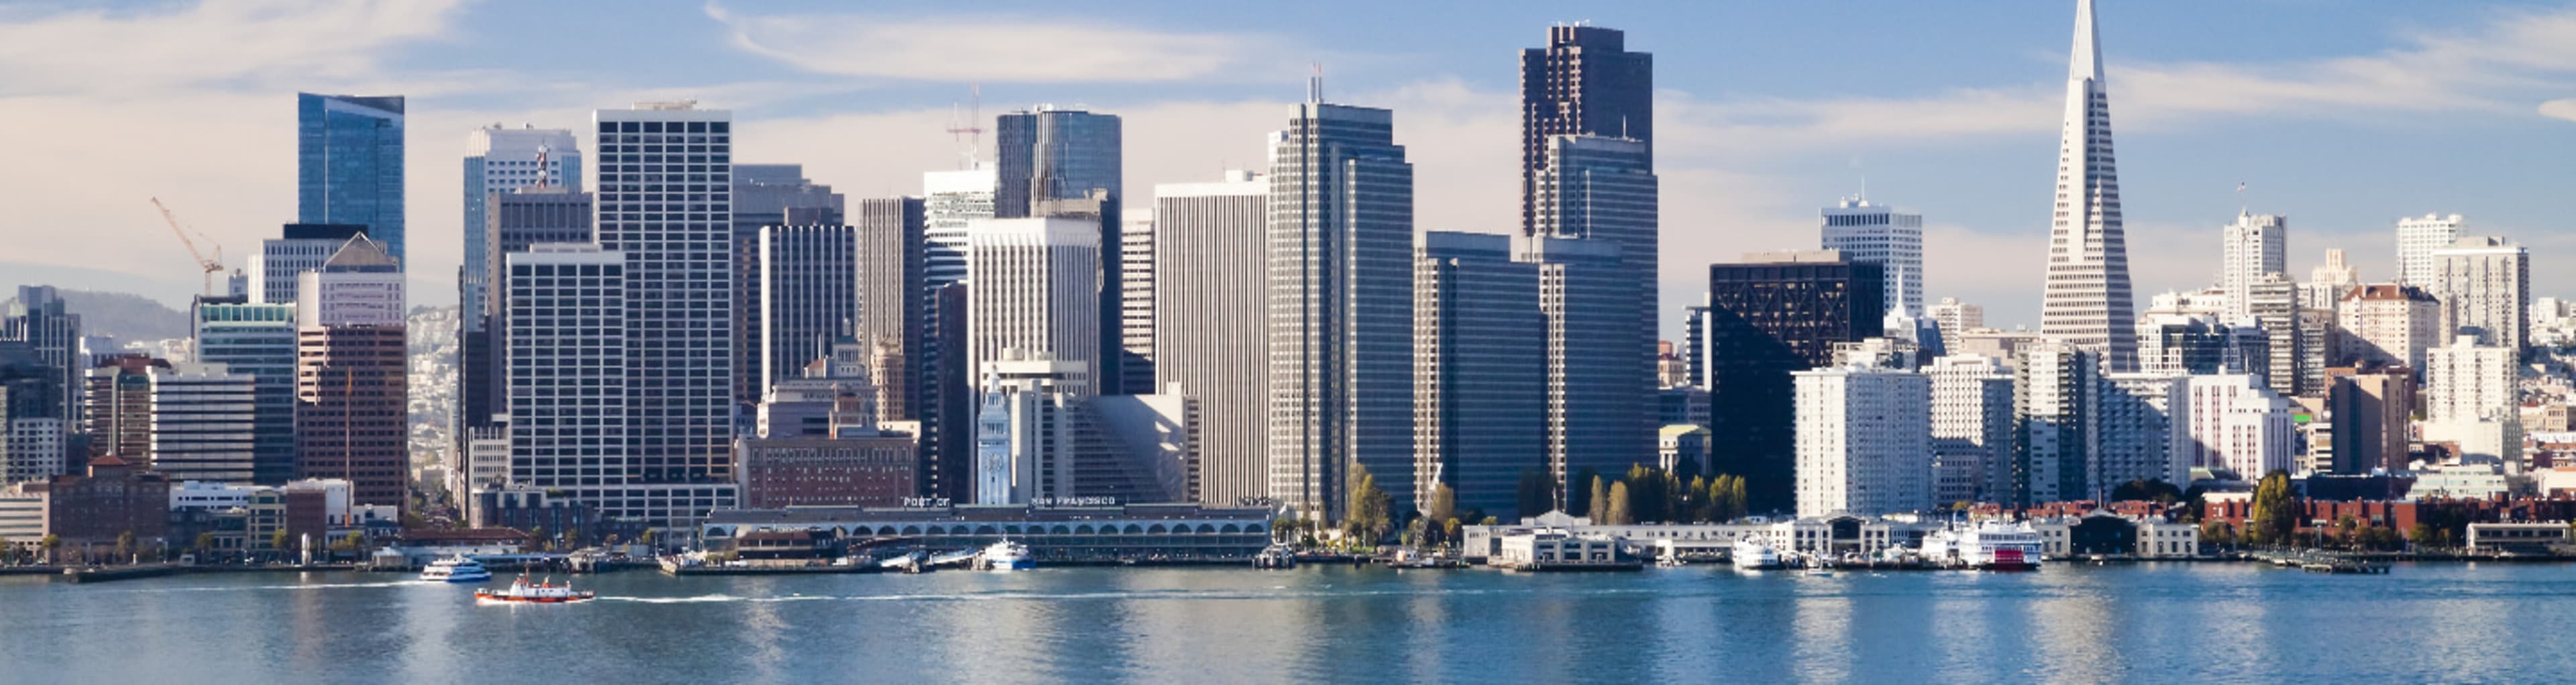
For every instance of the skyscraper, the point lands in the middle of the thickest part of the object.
(1955, 317)
(276, 270)
(891, 298)
(352, 375)
(1864, 441)
(501, 159)
(203, 423)
(2057, 407)
(2388, 325)
(1972, 428)
(1053, 154)
(766, 195)
(567, 369)
(949, 199)
(2146, 433)
(1596, 198)
(2484, 285)
(2086, 299)
(2253, 246)
(1479, 386)
(1340, 305)
(2328, 282)
(1036, 290)
(52, 332)
(1585, 82)
(1209, 289)
(1773, 314)
(1599, 412)
(2417, 238)
(258, 340)
(810, 296)
(349, 164)
(670, 214)
(1888, 237)
(32, 431)
(514, 222)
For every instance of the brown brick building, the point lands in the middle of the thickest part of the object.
(352, 410)
(115, 498)
(874, 471)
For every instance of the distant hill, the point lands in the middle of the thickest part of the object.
(126, 316)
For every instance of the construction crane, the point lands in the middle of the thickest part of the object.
(212, 266)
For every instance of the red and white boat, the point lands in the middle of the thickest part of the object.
(523, 592)
(1988, 545)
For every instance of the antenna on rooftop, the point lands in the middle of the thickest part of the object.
(969, 130)
(1315, 84)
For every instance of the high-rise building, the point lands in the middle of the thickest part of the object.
(1972, 428)
(2388, 325)
(2329, 281)
(1209, 288)
(258, 340)
(204, 423)
(2253, 246)
(679, 304)
(1340, 306)
(2146, 433)
(1604, 190)
(2484, 285)
(1024, 432)
(891, 297)
(2239, 424)
(39, 318)
(1773, 314)
(1036, 289)
(2057, 413)
(349, 164)
(1135, 313)
(1956, 318)
(2470, 399)
(2179, 335)
(1479, 375)
(1598, 413)
(766, 195)
(2318, 342)
(514, 221)
(949, 199)
(2086, 299)
(352, 375)
(947, 402)
(1584, 82)
(33, 434)
(565, 334)
(2272, 301)
(1864, 441)
(2417, 238)
(1888, 237)
(1047, 153)
(278, 269)
(116, 411)
(498, 160)
(810, 296)
(2370, 409)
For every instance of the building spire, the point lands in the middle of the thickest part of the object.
(2086, 60)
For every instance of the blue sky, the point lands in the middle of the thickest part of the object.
(2343, 115)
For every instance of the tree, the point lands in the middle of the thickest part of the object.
(1449, 532)
(2275, 516)
(1366, 514)
(1617, 512)
(1693, 507)
(1281, 530)
(51, 543)
(1491, 521)
(1418, 533)
(1578, 495)
(125, 546)
(279, 540)
(1444, 503)
(2147, 490)
(648, 538)
(1648, 490)
(1599, 512)
(537, 537)
(1537, 493)
(2215, 532)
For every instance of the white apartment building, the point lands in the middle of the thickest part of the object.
(359, 285)
(2329, 281)
(2254, 246)
(1864, 441)
(33, 449)
(2484, 285)
(2146, 431)
(1972, 428)
(2389, 325)
(1036, 289)
(2417, 238)
(202, 422)
(2239, 424)
(1955, 318)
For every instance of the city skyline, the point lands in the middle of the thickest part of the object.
(1746, 155)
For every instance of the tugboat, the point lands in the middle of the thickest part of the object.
(456, 569)
(541, 592)
(1008, 556)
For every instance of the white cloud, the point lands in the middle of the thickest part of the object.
(2564, 108)
(256, 41)
(994, 48)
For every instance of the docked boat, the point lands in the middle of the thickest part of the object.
(1751, 555)
(523, 592)
(1275, 556)
(1008, 556)
(456, 569)
(1987, 546)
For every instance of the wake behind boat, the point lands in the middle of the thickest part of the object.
(523, 592)
(457, 569)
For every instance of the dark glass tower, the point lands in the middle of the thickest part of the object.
(1772, 315)
(1585, 82)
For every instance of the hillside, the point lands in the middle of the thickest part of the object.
(125, 316)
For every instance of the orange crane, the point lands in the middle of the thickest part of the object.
(212, 266)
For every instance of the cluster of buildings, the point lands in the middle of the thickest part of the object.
(650, 332)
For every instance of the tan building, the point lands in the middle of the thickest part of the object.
(2388, 325)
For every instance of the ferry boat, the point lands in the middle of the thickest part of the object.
(456, 569)
(523, 592)
(1988, 546)
(1751, 555)
(1008, 556)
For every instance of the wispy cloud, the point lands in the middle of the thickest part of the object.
(137, 51)
(995, 48)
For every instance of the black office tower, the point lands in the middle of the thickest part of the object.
(1774, 314)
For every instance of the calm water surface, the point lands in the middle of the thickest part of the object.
(2148, 622)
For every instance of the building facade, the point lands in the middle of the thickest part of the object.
(1864, 441)
(1480, 377)
(2057, 413)
(1209, 288)
(2417, 238)
(1046, 153)
(2239, 424)
(1972, 428)
(499, 160)
(1036, 287)
(349, 163)
(2484, 285)
(204, 423)
(258, 340)
(2388, 325)
(2086, 298)
(1768, 316)
(1890, 238)
(2251, 247)
(1584, 82)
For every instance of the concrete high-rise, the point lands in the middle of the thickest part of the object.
(1888, 237)
(1340, 306)
(33, 435)
(514, 222)
(499, 159)
(2388, 325)
(1047, 153)
(2145, 433)
(258, 340)
(204, 423)
(1954, 318)
(39, 318)
(1604, 189)
(275, 271)
(679, 305)
(2057, 413)
(1972, 428)
(1036, 290)
(2371, 409)
(810, 296)
(2254, 246)
(349, 164)
(116, 411)
(1480, 405)
(2239, 424)
(565, 327)
(2470, 398)
(1584, 82)
(2484, 285)
(1599, 412)
(766, 195)
(1209, 289)
(2086, 299)
(949, 199)
(352, 375)
(2329, 281)
(2272, 301)
(2417, 238)
(1773, 314)
(891, 298)
(1864, 441)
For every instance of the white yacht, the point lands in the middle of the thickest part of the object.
(1751, 555)
(1008, 556)
(1988, 545)
(456, 569)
